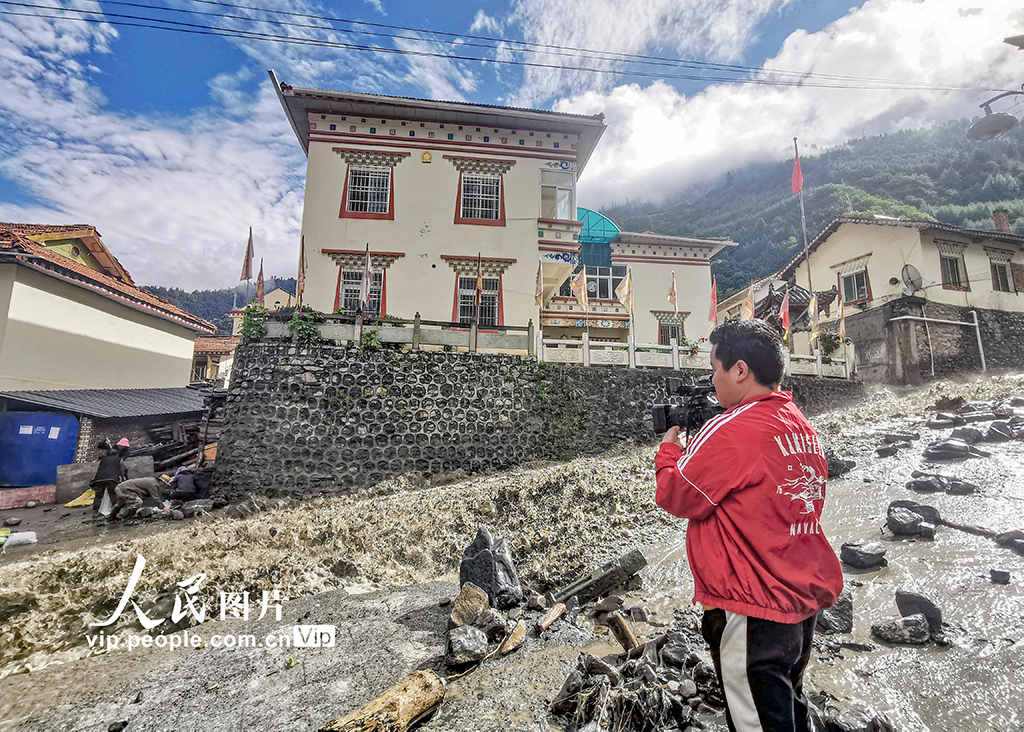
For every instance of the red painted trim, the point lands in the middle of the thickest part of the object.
(337, 290)
(501, 302)
(659, 260)
(484, 160)
(464, 257)
(373, 253)
(580, 314)
(563, 222)
(401, 146)
(455, 144)
(455, 300)
(500, 221)
(384, 292)
(358, 150)
(389, 216)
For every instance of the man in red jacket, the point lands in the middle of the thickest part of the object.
(752, 484)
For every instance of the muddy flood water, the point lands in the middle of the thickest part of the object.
(405, 537)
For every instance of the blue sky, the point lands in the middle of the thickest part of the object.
(174, 144)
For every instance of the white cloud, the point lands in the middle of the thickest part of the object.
(376, 5)
(660, 140)
(483, 22)
(716, 29)
(440, 78)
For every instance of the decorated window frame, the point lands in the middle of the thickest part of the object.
(492, 270)
(952, 266)
(481, 190)
(351, 262)
(1001, 271)
(365, 184)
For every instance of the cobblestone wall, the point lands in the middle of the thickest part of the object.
(328, 419)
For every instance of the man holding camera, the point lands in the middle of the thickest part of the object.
(752, 484)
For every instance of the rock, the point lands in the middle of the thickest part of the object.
(603, 668)
(911, 603)
(177, 515)
(952, 449)
(999, 432)
(970, 435)
(466, 644)
(899, 436)
(839, 617)
(493, 624)
(609, 604)
(145, 512)
(197, 507)
(638, 614)
(957, 487)
(676, 650)
(888, 450)
(273, 531)
(903, 521)
(12, 521)
(346, 568)
(1011, 540)
(515, 638)
(549, 599)
(687, 689)
(981, 416)
(999, 576)
(939, 423)
(949, 404)
(117, 726)
(138, 698)
(927, 485)
(565, 699)
(837, 465)
(469, 606)
(31, 504)
(487, 563)
(912, 630)
(926, 530)
(536, 601)
(926, 512)
(863, 555)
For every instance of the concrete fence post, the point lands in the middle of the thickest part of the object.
(977, 332)
(786, 362)
(586, 348)
(472, 338)
(675, 353)
(817, 361)
(416, 332)
(632, 349)
(531, 340)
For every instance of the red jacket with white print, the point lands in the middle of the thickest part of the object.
(752, 483)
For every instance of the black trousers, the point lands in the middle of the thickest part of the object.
(760, 665)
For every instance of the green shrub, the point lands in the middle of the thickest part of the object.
(371, 339)
(829, 342)
(254, 323)
(305, 326)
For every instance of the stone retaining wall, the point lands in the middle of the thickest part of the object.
(327, 419)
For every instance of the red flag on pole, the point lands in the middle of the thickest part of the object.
(247, 263)
(259, 284)
(784, 315)
(713, 312)
(798, 176)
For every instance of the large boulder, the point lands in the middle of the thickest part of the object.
(903, 521)
(863, 555)
(911, 630)
(839, 617)
(911, 603)
(999, 432)
(952, 449)
(487, 563)
(970, 435)
(926, 512)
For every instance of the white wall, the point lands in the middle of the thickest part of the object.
(59, 336)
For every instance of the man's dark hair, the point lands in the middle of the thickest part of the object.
(753, 341)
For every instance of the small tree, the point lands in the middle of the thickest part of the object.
(254, 323)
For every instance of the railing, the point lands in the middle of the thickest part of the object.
(599, 353)
(418, 333)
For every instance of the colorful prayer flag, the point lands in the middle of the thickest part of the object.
(624, 291)
(300, 283)
(247, 262)
(713, 312)
(538, 295)
(672, 296)
(812, 316)
(366, 282)
(579, 288)
(798, 176)
(259, 284)
(479, 279)
(747, 312)
(784, 316)
(842, 316)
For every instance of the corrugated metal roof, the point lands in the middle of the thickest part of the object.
(107, 403)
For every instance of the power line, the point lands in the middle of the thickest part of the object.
(201, 29)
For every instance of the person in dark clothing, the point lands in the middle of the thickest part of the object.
(182, 486)
(110, 472)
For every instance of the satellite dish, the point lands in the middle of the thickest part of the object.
(992, 125)
(912, 280)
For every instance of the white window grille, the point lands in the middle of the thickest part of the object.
(488, 301)
(557, 195)
(369, 189)
(855, 286)
(481, 196)
(668, 331)
(1001, 280)
(351, 283)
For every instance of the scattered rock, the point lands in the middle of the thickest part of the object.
(177, 515)
(949, 404)
(469, 607)
(273, 531)
(138, 698)
(837, 465)
(12, 521)
(927, 485)
(970, 435)
(466, 644)
(999, 576)
(839, 617)
(981, 416)
(952, 449)
(863, 555)
(911, 603)
(638, 614)
(536, 601)
(608, 605)
(899, 436)
(999, 432)
(912, 630)
(889, 450)
(487, 563)
(197, 507)
(493, 624)
(515, 638)
(117, 726)
(31, 504)
(903, 521)
(1012, 540)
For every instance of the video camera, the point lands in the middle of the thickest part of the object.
(699, 405)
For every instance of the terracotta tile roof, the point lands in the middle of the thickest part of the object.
(43, 258)
(216, 344)
(29, 229)
(92, 242)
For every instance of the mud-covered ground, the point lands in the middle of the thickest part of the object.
(559, 520)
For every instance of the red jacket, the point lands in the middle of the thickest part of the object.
(752, 483)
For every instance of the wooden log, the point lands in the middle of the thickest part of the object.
(554, 613)
(622, 629)
(603, 580)
(397, 709)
